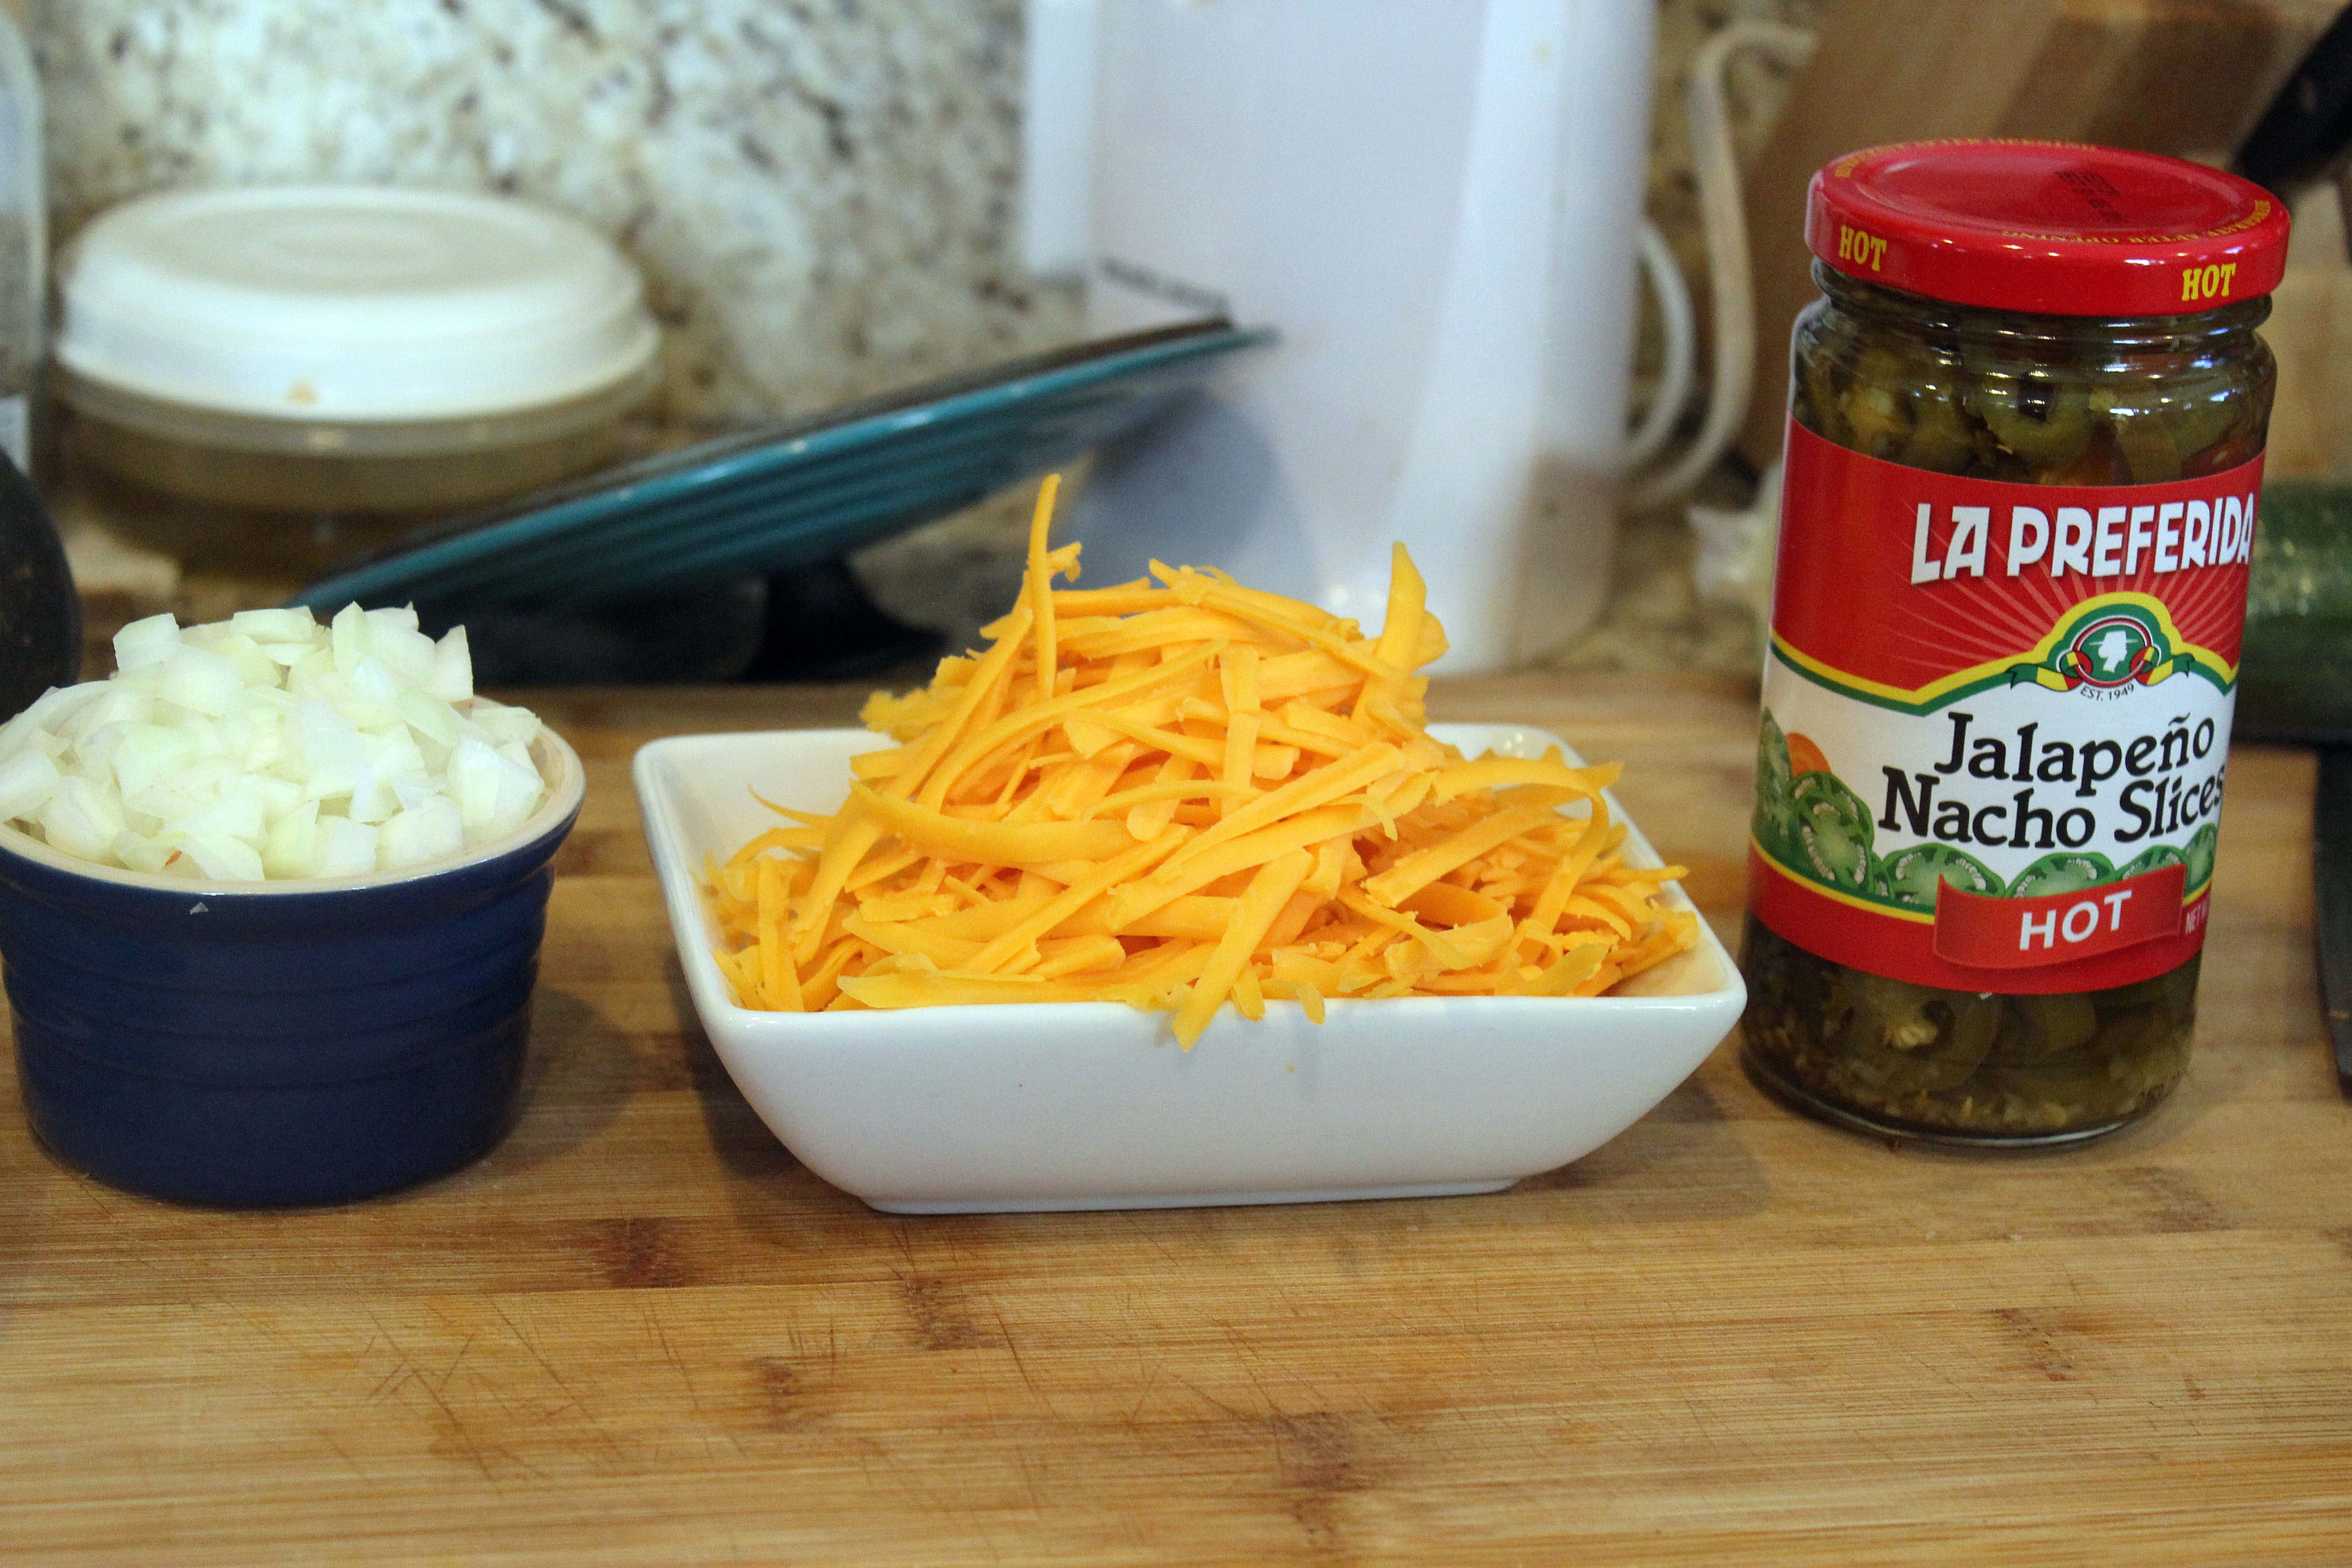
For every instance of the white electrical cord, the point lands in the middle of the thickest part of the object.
(1725, 227)
(1679, 331)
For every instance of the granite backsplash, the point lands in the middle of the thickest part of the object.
(822, 194)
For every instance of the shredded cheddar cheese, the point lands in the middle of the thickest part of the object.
(1179, 793)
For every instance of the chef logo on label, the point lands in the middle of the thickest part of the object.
(2107, 653)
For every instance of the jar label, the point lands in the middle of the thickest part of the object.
(1997, 719)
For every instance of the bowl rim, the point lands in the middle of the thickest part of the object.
(565, 794)
(727, 1019)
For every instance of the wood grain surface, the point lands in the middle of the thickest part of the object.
(639, 1333)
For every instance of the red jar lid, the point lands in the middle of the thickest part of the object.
(2049, 227)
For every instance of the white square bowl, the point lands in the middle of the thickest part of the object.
(1093, 1105)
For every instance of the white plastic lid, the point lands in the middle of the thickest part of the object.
(350, 304)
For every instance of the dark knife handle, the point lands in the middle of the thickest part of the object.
(2331, 861)
(2310, 120)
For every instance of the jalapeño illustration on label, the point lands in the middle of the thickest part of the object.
(2002, 775)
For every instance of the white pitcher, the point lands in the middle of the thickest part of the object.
(1436, 202)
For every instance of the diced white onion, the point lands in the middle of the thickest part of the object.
(348, 638)
(426, 833)
(230, 816)
(292, 845)
(143, 643)
(373, 800)
(452, 668)
(80, 818)
(346, 848)
(199, 681)
(403, 649)
(220, 857)
(504, 725)
(145, 754)
(49, 710)
(27, 779)
(149, 855)
(372, 683)
(270, 745)
(254, 667)
(121, 703)
(275, 626)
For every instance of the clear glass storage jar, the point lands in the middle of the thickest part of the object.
(264, 382)
(2026, 427)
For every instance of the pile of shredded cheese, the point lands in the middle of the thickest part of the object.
(1181, 791)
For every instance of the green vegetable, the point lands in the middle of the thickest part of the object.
(2051, 1026)
(2149, 444)
(2046, 421)
(2199, 855)
(1912, 1039)
(1942, 438)
(2295, 681)
(1775, 821)
(1956, 1064)
(2154, 857)
(1833, 827)
(1965, 392)
(1911, 876)
(2068, 871)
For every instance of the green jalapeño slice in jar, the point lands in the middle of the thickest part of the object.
(2024, 448)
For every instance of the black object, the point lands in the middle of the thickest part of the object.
(2331, 862)
(40, 613)
(813, 624)
(821, 625)
(2310, 120)
(694, 635)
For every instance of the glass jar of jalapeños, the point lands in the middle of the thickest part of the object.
(2024, 445)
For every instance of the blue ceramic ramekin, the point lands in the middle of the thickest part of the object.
(263, 1045)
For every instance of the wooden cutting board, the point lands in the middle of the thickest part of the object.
(639, 1333)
